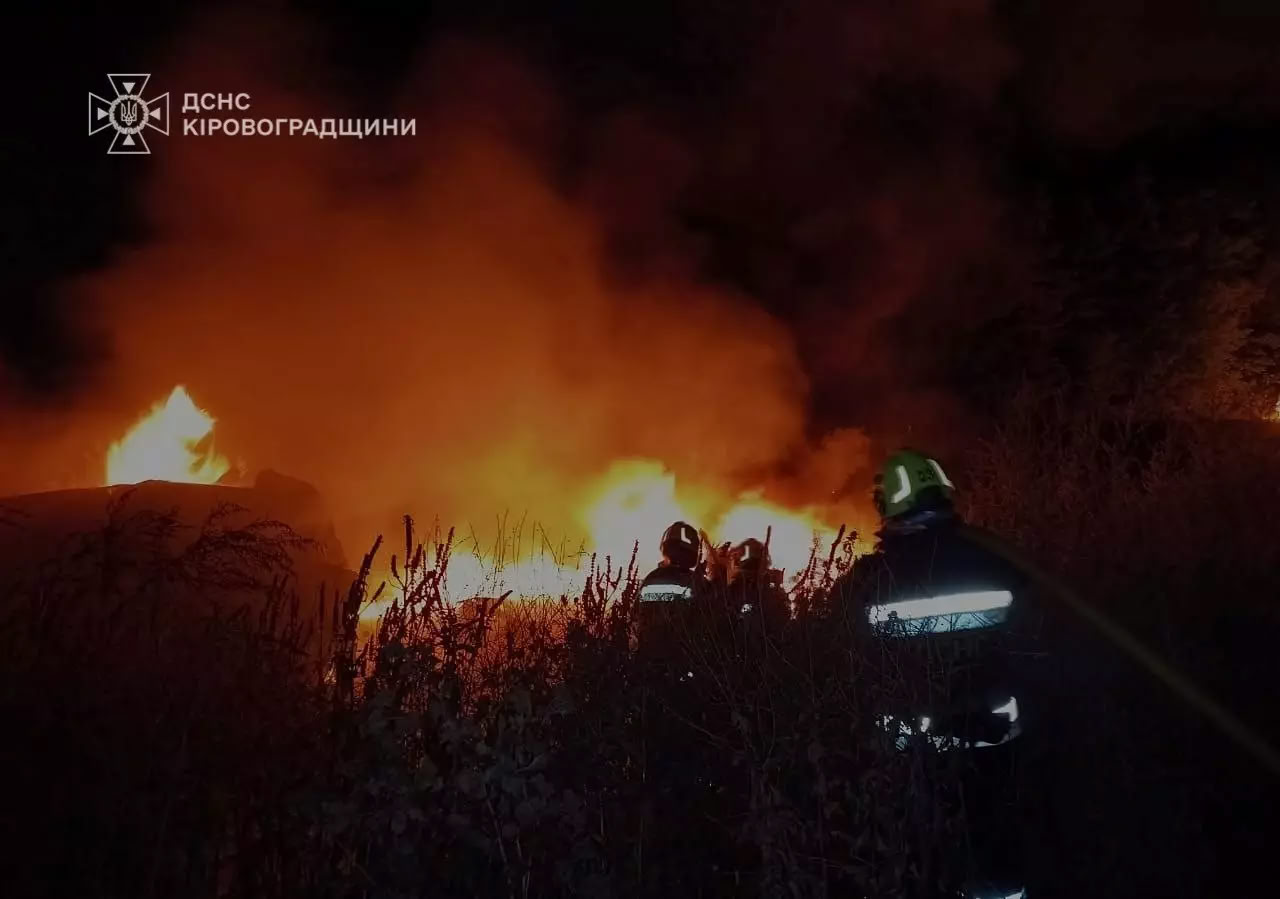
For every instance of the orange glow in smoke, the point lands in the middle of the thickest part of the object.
(172, 442)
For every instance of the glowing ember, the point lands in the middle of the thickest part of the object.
(172, 442)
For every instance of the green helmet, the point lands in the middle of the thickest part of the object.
(911, 481)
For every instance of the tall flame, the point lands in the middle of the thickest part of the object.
(172, 442)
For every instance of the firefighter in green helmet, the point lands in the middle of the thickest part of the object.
(940, 615)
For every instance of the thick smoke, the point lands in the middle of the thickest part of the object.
(844, 164)
(481, 318)
(424, 324)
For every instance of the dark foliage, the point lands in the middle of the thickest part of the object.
(177, 727)
(492, 748)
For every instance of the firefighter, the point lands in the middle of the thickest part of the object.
(680, 572)
(667, 594)
(670, 614)
(755, 592)
(950, 615)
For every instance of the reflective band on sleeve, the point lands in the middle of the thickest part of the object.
(664, 593)
(947, 612)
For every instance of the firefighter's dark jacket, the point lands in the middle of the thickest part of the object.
(942, 558)
(939, 558)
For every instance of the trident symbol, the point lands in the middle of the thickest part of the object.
(129, 113)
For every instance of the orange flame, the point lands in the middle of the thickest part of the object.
(635, 500)
(172, 442)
